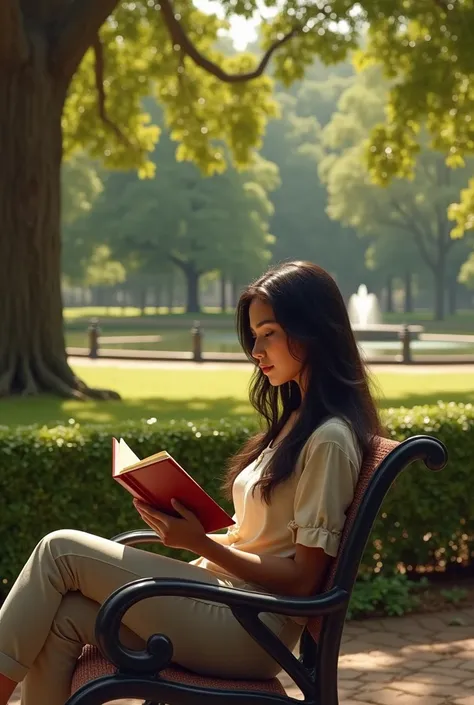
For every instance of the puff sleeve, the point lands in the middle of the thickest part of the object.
(324, 492)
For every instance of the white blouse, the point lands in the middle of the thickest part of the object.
(309, 508)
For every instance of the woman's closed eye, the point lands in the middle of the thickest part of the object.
(266, 335)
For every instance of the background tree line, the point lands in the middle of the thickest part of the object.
(307, 193)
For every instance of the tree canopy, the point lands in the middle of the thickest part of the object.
(180, 218)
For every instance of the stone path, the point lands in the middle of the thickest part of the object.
(416, 660)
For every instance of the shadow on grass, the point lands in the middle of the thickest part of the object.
(50, 410)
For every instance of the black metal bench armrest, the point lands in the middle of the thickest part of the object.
(136, 536)
(245, 605)
(126, 596)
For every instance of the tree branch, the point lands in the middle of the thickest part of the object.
(99, 84)
(177, 260)
(76, 31)
(13, 41)
(411, 225)
(179, 37)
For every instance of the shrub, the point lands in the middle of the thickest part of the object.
(60, 477)
(393, 595)
(427, 518)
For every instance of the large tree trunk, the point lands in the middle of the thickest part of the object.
(32, 349)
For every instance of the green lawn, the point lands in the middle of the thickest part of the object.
(167, 394)
(460, 322)
(70, 313)
(123, 319)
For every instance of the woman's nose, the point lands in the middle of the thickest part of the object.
(257, 352)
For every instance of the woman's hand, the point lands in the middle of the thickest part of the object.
(185, 531)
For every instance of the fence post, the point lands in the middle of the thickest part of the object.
(94, 332)
(196, 332)
(406, 349)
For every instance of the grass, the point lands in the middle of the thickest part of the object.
(167, 394)
(131, 317)
(172, 338)
(122, 319)
(460, 322)
(70, 313)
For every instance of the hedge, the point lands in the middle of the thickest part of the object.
(60, 477)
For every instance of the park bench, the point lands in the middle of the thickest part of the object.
(112, 672)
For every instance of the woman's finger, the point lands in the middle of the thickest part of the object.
(156, 526)
(145, 510)
(181, 509)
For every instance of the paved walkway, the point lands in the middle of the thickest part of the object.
(189, 365)
(416, 660)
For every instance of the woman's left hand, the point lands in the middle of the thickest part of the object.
(185, 531)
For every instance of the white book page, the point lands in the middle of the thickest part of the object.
(126, 457)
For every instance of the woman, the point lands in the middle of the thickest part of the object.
(291, 486)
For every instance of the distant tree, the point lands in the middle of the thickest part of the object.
(179, 217)
(417, 206)
(82, 184)
(300, 223)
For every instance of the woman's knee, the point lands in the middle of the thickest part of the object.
(62, 541)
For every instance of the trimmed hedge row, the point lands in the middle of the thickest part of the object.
(60, 477)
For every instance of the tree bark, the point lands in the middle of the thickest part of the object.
(32, 349)
(408, 304)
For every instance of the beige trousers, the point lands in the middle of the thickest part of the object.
(51, 611)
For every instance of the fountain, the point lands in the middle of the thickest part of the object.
(364, 309)
(366, 320)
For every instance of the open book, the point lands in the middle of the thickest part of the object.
(158, 479)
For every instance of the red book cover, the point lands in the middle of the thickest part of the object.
(158, 479)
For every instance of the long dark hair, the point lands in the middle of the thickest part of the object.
(308, 305)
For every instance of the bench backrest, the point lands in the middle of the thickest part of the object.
(380, 449)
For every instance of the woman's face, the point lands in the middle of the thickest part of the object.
(270, 348)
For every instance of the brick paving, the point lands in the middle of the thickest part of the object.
(414, 660)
